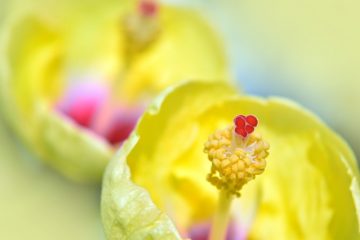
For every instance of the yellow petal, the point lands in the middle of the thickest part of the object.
(310, 189)
(152, 164)
(127, 210)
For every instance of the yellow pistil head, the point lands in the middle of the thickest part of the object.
(235, 159)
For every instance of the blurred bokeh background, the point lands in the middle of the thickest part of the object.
(306, 50)
(37, 203)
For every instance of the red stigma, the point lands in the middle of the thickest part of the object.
(252, 120)
(148, 8)
(245, 125)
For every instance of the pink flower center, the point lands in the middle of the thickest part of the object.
(89, 105)
(202, 231)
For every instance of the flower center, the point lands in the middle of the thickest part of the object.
(89, 105)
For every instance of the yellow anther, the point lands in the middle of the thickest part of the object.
(235, 159)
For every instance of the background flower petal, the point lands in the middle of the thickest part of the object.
(30, 84)
(187, 48)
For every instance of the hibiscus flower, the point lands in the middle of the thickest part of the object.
(157, 186)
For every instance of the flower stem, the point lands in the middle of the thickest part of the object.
(222, 215)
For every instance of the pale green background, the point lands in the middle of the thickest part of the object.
(36, 203)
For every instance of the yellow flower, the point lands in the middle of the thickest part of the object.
(156, 187)
(128, 52)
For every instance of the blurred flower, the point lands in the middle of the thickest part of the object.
(75, 81)
(156, 187)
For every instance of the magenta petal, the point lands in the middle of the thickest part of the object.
(121, 125)
(89, 104)
(236, 232)
(82, 101)
(202, 231)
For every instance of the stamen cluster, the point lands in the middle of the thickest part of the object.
(235, 159)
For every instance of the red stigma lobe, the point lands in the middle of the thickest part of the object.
(245, 125)
(240, 121)
(241, 131)
(252, 120)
